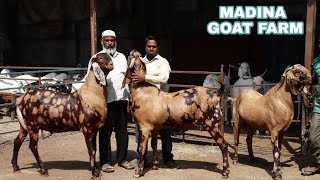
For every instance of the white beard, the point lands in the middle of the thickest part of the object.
(110, 51)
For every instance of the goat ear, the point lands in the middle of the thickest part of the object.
(288, 68)
(98, 73)
(132, 62)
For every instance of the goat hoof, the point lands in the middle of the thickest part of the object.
(235, 162)
(16, 168)
(96, 178)
(96, 173)
(225, 173)
(90, 168)
(277, 175)
(44, 172)
(225, 177)
(155, 167)
(137, 175)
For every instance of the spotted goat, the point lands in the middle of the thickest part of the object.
(84, 110)
(154, 110)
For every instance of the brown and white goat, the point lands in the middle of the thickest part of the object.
(272, 111)
(84, 110)
(154, 110)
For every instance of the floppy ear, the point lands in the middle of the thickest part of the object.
(132, 62)
(143, 64)
(98, 73)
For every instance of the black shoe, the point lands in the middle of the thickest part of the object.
(171, 164)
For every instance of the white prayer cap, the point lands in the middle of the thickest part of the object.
(108, 33)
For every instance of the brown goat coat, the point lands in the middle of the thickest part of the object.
(171, 110)
(273, 111)
(273, 115)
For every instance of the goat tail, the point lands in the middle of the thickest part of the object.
(21, 119)
(23, 122)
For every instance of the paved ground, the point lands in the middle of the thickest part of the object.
(65, 156)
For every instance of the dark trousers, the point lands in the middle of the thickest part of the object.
(166, 140)
(314, 148)
(117, 119)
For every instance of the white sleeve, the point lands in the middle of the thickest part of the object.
(123, 64)
(163, 75)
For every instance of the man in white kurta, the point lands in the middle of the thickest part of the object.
(117, 117)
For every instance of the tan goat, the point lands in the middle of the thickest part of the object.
(154, 110)
(272, 111)
(84, 110)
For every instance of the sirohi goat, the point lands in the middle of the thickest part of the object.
(84, 110)
(154, 110)
(272, 111)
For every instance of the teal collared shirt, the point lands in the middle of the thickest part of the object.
(316, 74)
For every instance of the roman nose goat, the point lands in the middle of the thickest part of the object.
(272, 111)
(154, 110)
(84, 110)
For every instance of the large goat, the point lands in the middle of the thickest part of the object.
(84, 110)
(154, 110)
(272, 111)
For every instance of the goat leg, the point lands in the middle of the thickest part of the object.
(143, 142)
(249, 144)
(155, 162)
(17, 144)
(223, 145)
(280, 136)
(94, 145)
(276, 156)
(34, 148)
(89, 137)
(236, 131)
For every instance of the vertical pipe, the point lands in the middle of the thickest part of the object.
(13, 101)
(308, 56)
(93, 28)
(310, 32)
(222, 106)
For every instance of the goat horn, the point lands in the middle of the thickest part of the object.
(233, 66)
(264, 73)
(221, 67)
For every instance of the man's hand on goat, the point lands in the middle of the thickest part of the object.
(138, 77)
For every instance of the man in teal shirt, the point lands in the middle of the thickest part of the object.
(314, 137)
